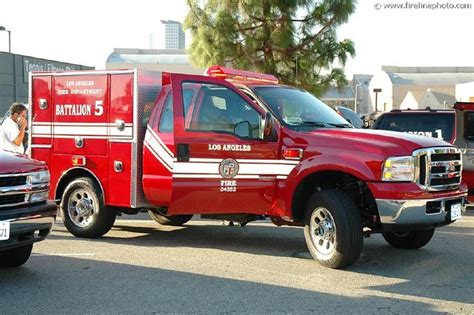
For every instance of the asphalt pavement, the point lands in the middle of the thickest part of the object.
(204, 267)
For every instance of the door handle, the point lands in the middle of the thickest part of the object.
(183, 152)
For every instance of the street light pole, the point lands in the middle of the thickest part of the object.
(2, 28)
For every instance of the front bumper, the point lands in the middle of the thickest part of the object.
(406, 204)
(28, 224)
(419, 212)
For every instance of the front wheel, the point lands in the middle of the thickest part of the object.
(83, 210)
(173, 220)
(409, 240)
(15, 257)
(333, 229)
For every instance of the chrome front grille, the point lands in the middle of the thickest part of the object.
(7, 181)
(15, 190)
(12, 200)
(438, 168)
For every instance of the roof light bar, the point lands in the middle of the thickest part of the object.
(464, 105)
(239, 75)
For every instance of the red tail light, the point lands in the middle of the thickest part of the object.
(240, 75)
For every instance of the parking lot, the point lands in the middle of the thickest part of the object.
(206, 267)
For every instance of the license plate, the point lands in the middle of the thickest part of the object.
(456, 211)
(4, 230)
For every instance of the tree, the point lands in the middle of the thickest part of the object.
(294, 40)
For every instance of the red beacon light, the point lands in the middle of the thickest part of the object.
(240, 75)
(464, 105)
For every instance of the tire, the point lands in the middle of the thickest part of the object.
(409, 240)
(333, 229)
(83, 211)
(15, 257)
(173, 220)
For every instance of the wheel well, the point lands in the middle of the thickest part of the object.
(357, 190)
(70, 176)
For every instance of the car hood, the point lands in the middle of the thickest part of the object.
(11, 163)
(388, 143)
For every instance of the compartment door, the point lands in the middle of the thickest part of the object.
(40, 128)
(120, 129)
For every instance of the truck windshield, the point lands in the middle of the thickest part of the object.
(299, 108)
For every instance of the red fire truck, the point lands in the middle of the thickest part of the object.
(235, 145)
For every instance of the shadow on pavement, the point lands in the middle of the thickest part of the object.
(54, 284)
(265, 239)
(443, 270)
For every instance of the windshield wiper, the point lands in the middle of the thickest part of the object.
(314, 123)
(343, 125)
(325, 124)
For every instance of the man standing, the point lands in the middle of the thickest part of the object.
(13, 129)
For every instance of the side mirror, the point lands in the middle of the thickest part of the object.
(267, 130)
(243, 129)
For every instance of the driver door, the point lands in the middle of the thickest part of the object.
(221, 165)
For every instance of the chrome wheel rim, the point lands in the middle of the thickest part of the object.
(81, 207)
(323, 231)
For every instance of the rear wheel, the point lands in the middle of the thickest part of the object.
(333, 229)
(15, 257)
(409, 240)
(83, 210)
(174, 220)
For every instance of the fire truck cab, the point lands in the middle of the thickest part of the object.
(235, 145)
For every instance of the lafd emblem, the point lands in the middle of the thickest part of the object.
(228, 168)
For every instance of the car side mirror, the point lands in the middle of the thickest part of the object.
(243, 129)
(267, 130)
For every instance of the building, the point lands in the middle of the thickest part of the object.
(465, 92)
(346, 96)
(14, 77)
(343, 96)
(389, 87)
(412, 100)
(174, 37)
(360, 86)
(170, 60)
(437, 100)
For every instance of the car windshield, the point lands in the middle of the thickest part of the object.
(439, 125)
(299, 108)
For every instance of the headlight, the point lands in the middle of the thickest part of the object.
(38, 177)
(399, 169)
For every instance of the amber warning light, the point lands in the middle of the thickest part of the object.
(79, 161)
(292, 154)
(240, 75)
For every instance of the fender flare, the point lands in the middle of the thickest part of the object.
(67, 172)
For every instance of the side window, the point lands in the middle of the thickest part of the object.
(166, 120)
(469, 126)
(220, 109)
